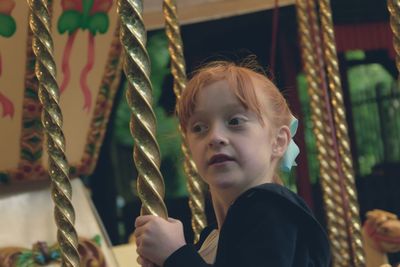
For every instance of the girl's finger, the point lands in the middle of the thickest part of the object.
(139, 251)
(137, 242)
(142, 220)
(139, 260)
(144, 262)
(138, 232)
(148, 263)
(172, 220)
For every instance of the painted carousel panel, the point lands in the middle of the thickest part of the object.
(13, 38)
(87, 55)
(27, 214)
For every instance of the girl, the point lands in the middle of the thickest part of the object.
(236, 124)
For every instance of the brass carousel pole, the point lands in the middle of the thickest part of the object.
(194, 183)
(335, 87)
(313, 68)
(45, 69)
(146, 154)
(394, 9)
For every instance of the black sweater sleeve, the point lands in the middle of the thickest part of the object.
(184, 257)
(263, 230)
(269, 240)
(188, 255)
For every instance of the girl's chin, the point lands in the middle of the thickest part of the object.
(225, 183)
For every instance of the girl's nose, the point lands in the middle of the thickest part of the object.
(217, 138)
(217, 143)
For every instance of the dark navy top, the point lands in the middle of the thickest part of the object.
(267, 226)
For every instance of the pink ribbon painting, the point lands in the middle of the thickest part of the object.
(88, 15)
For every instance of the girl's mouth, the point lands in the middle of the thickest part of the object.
(219, 158)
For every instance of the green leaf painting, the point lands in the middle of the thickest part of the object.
(85, 15)
(8, 25)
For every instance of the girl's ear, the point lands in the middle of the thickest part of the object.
(282, 140)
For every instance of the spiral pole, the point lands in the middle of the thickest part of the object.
(394, 10)
(336, 182)
(342, 136)
(52, 120)
(175, 46)
(308, 33)
(194, 183)
(146, 153)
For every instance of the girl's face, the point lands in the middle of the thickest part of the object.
(232, 149)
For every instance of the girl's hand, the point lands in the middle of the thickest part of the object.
(157, 239)
(142, 261)
(145, 263)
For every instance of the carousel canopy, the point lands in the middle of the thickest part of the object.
(191, 11)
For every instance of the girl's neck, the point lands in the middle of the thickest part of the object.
(220, 209)
(221, 201)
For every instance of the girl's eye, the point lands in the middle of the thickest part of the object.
(199, 128)
(236, 121)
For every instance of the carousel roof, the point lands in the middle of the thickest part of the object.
(191, 11)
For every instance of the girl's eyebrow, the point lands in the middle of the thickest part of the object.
(228, 107)
(198, 113)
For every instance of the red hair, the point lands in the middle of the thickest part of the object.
(243, 82)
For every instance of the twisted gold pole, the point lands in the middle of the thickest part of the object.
(394, 9)
(45, 69)
(146, 154)
(334, 182)
(194, 183)
(310, 44)
(175, 46)
(196, 194)
(335, 87)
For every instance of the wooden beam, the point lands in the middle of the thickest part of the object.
(202, 10)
